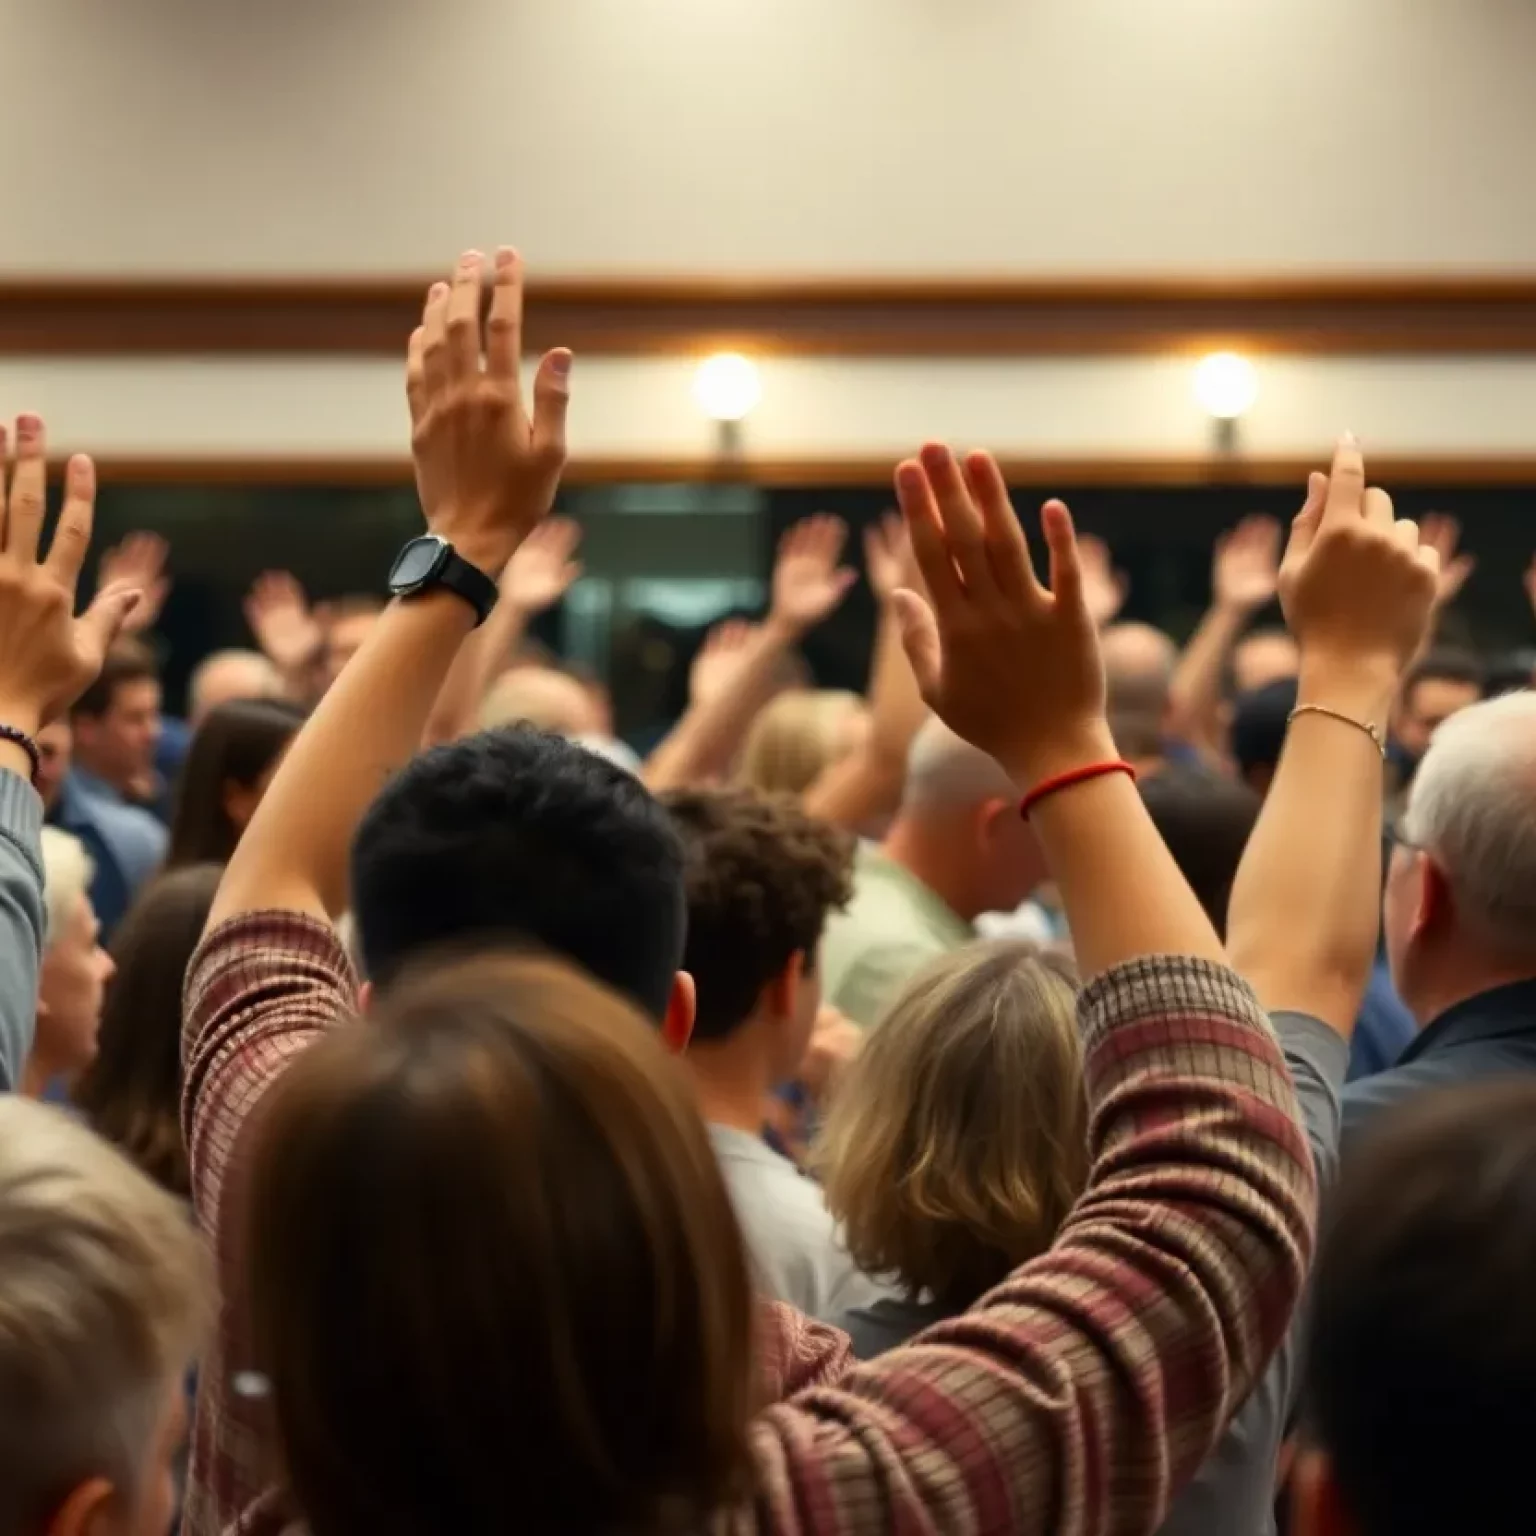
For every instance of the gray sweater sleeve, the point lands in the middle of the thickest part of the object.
(21, 921)
(1233, 1493)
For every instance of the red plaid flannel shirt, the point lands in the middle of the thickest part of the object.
(1074, 1399)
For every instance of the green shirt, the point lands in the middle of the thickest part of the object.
(890, 930)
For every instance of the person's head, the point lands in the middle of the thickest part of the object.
(1206, 822)
(761, 878)
(1459, 914)
(131, 1093)
(75, 968)
(1138, 675)
(1436, 687)
(348, 622)
(1422, 1339)
(233, 757)
(799, 735)
(55, 751)
(1257, 732)
(1262, 657)
(543, 697)
(515, 836)
(117, 719)
(958, 1140)
(104, 1305)
(959, 828)
(226, 677)
(498, 1198)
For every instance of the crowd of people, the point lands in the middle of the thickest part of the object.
(908, 1111)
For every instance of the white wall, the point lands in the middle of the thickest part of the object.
(769, 136)
(831, 408)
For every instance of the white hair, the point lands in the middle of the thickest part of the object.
(943, 770)
(105, 1300)
(67, 876)
(1472, 808)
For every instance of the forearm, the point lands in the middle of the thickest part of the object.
(709, 734)
(475, 668)
(1305, 909)
(21, 918)
(370, 723)
(1195, 693)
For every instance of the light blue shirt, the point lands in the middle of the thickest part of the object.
(126, 845)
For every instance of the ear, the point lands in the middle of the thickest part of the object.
(677, 1026)
(1436, 908)
(1316, 1508)
(365, 998)
(992, 817)
(87, 1511)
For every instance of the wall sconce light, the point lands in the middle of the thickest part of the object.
(1226, 385)
(727, 388)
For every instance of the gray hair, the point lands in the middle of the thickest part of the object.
(945, 770)
(106, 1298)
(1472, 808)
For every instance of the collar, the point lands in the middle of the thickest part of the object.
(1492, 1015)
(87, 782)
(921, 895)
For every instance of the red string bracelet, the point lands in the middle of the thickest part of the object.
(1069, 778)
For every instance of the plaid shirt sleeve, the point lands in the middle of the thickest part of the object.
(259, 990)
(1083, 1391)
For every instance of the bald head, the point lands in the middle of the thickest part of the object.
(946, 773)
(541, 696)
(1139, 653)
(1138, 674)
(226, 677)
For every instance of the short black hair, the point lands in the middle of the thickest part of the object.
(1422, 1357)
(1259, 722)
(1444, 665)
(761, 878)
(1206, 822)
(519, 836)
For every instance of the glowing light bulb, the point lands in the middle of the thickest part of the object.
(727, 386)
(1226, 385)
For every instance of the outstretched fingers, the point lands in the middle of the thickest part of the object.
(72, 538)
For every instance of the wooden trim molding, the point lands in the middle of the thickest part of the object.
(874, 317)
(1428, 471)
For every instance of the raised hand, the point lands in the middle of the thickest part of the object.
(1442, 533)
(1530, 582)
(1104, 588)
(487, 466)
(1357, 584)
(48, 657)
(1246, 571)
(1009, 664)
(888, 561)
(278, 613)
(719, 659)
(544, 567)
(138, 562)
(808, 581)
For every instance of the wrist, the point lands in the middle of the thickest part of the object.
(782, 630)
(1031, 764)
(1362, 687)
(21, 715)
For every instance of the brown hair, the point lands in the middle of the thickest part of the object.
(127, 661)
(958, 1141)
(796, 737)
(131, 1092)
(492, 1267)
(761, 877)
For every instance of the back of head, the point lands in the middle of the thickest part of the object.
(237, 745)
(498, 1202)
(1138, 676)
(131, 1092)
(1470, 809)
(102, 1308)
(543, 697)
(1206, 822)
(945, 773)
(67, 876)
(226, 677)
(958, 1141)
(761, 878)
(518, 837)
(1259, 721)
(1422, 1369)
(797, 736)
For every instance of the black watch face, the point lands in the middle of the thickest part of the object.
(419, 561)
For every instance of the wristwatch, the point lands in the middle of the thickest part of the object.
(430, 562)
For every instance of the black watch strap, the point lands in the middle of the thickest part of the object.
(469, 582)
(429, 562)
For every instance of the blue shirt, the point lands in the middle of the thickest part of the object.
(1384, 1029)
(126, 845)
(1489, 1035)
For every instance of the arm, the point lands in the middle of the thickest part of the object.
(1305, 908)
(21, 911)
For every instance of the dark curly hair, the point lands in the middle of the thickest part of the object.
(761, 877)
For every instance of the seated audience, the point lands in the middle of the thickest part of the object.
(1421, 1379)
(799, 736)
(957, 1142)
(234, 754)
(1436, 687)
(75, 969)
(957, 848)
(761, 879)
(230, 677)
(107, 1299)
(131, 1092)
(499, 1196)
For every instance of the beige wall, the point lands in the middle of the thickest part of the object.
(772, 136)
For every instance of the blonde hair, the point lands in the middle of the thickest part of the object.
(105, 1300)
(67, 875)
(958, 1141)
(538, 696)
(798, 735)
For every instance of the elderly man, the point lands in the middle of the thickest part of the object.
(228, 676)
